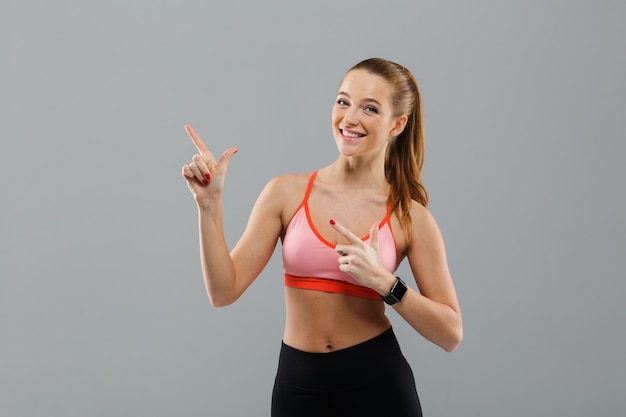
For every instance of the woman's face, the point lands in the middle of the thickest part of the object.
(363, 116)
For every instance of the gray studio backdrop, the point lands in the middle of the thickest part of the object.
(102, 305)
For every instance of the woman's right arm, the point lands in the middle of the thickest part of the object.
(228, 274)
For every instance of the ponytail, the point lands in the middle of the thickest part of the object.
(403, 166)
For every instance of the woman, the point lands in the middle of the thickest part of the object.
(339, 355)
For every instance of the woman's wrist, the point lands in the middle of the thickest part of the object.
(384, 285)
(210, 203)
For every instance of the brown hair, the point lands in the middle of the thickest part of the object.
(405, 153)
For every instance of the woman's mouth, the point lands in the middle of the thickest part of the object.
(349, 136)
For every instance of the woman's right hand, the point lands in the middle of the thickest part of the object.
(204, 175)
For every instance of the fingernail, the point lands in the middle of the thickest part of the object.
(332, 221)
(205, 182)
(208, 176)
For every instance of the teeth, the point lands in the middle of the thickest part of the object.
(351, 135)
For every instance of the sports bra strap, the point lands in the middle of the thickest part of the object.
(309, 186)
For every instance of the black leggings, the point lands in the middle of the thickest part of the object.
(370, 379)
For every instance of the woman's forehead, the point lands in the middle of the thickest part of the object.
(363, 84)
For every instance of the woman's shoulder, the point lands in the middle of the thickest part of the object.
(424, 224)
(286, 191)
(418, 209)
(420, 214)
(421, 221)
(289, 183)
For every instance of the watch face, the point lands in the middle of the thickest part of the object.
(399, 290)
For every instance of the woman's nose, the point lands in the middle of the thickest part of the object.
(350, 117)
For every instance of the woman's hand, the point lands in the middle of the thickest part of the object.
(204, 175)
(361, 260)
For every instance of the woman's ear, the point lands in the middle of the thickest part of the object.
(399, 125)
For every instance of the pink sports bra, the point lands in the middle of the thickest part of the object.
(311, 262)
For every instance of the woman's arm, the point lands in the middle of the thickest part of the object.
(433, 311)
(227, 274)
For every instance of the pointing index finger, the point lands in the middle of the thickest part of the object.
(197, 141)
(351, 237)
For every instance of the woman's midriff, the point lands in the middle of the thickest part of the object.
(325, 322)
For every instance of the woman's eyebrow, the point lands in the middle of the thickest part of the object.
(366, 99)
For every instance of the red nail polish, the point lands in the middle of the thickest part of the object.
(208, 176)
(332, 221)
(205, 182)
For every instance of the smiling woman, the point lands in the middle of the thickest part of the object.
(344, 228)
(358, 114)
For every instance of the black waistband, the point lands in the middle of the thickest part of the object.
(346, 367)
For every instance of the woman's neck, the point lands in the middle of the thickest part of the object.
(359, 171)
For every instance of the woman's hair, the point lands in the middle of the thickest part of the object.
(405, 153)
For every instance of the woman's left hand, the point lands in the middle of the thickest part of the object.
(361, 260)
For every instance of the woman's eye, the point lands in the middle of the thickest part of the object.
(342, 102)
(371, 109)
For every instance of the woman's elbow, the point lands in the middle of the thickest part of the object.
(218, 303)
(221, 300)
(454, 340)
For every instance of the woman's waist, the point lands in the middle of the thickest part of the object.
(327, 322)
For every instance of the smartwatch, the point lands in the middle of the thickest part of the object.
(397, 292)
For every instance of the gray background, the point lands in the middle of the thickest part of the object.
(102, 305)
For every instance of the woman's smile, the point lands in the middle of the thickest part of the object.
(350, 136)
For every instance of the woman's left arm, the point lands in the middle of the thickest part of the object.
(433, 311)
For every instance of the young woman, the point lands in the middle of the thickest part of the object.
(344, 230)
